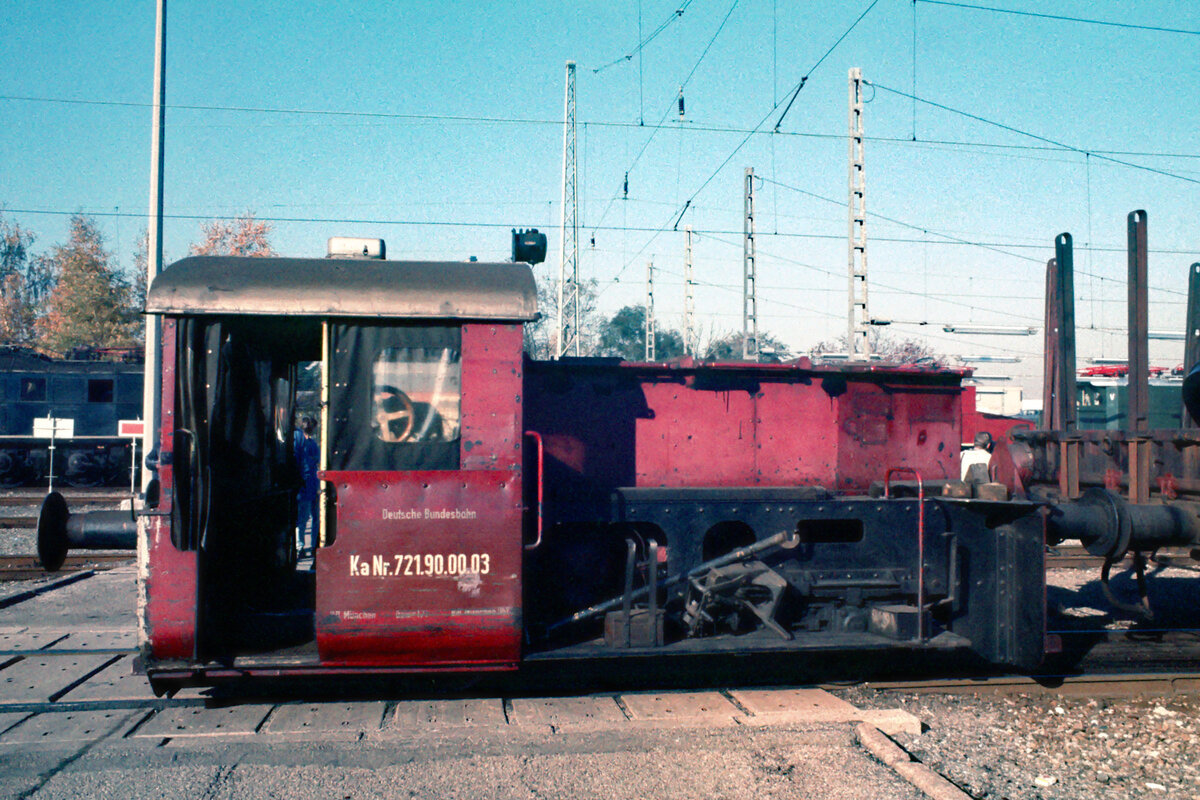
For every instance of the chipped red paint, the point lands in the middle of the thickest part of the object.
(689, 425)
(897, 424)
(170, 576)
(425, 569)
(492, 397)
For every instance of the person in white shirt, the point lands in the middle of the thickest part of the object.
(979, 457)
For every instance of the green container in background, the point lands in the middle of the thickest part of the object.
(1104, 405)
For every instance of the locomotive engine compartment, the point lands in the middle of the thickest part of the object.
(699, 460)
(479, 509)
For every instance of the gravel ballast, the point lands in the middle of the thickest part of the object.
(1053, 748)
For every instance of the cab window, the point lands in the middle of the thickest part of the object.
(395, 397)
(416, 394)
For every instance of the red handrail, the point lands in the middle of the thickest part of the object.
(541, 452)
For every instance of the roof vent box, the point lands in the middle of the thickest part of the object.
(356, 247)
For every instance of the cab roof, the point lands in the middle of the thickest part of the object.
(345, 288)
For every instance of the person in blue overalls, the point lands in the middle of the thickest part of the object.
(308, 457)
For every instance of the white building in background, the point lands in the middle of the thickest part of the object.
(1006, 401)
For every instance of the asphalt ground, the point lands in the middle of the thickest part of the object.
(75, 721)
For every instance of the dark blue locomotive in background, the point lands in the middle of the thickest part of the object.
(93, 388)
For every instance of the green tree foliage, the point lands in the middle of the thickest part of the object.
(624, 336)
(89, 305)
(728, 347)
(241, 236)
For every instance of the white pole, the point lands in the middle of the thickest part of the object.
(150, 395)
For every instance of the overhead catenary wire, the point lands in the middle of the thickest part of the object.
(826, 313)
(691, 127)
(230, 217)
(821, 60)
(641, 45)
(949, 237)
(677, 218)
(897, 289)
(624, 191)
(1061, 18)
(1031, 135)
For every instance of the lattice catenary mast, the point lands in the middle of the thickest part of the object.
(650, 334)
(689, 297)
(567, 340)
(749, 280)
(858, 344)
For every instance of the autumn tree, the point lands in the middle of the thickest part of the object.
(18, 309)
(89, 305)
(241, 236)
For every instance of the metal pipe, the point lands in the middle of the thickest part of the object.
(652, 580)
(627, 607)
(1191, 347)
(1109, 526)
(1064, 255)
(151, 412)
(60, 531)
(1050, 362)
(787, 540)
(1139, 361)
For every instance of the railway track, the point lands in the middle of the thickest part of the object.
(28, 567)
(1085, 685)
(33, 496)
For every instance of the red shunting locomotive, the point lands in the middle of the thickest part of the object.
(479, 509)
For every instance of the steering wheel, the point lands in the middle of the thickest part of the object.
(393, 406)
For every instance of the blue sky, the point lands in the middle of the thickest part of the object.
(457, 139)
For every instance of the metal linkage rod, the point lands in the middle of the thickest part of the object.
(785, 539)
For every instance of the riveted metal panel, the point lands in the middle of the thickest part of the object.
(492, 402)
(696, 437)
(425, 570)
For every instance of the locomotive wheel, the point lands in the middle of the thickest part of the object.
(12, 469)
(387, 413)
(82, 470)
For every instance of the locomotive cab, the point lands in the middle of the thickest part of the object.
(418, 543)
